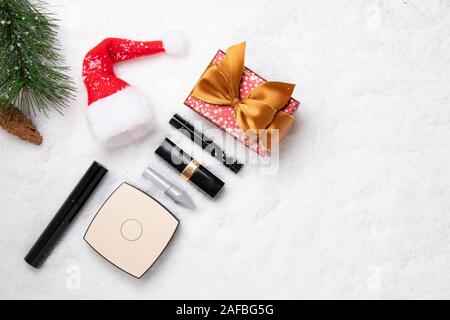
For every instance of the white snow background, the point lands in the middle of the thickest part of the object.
(360, 207)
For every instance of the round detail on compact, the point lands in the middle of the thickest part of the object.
(131, 230)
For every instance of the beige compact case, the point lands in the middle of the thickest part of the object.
(131, 230)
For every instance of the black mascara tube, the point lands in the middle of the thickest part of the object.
(204, 141)
(62, 219)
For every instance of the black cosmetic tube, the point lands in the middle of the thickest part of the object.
(190, 169)
(204, 141)
(62, 219)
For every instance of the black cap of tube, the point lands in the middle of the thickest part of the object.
(62, 219)
(178, 159)
(205, 142)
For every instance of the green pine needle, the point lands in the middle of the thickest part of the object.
(31, 73)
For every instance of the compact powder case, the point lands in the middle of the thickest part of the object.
(131, 230)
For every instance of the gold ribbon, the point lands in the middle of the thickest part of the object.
(259, 114)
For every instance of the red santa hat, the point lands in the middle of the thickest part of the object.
(117, 112)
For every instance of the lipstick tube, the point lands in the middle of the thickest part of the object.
(189, 168)
(205, 142)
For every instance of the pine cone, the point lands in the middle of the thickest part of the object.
(18, 124)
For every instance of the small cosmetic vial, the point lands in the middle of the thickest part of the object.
(189, 168)
(205, 142)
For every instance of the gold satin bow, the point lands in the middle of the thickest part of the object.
(219, 85)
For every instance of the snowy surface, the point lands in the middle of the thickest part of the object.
(359, 207)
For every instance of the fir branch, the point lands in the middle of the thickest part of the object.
(31, 73)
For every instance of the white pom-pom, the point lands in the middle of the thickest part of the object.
(175, 43)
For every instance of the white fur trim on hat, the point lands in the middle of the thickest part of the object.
(175, 43)
(120, 118)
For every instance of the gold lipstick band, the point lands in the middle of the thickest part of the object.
(190, 169)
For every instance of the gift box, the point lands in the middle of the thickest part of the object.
(223, 114)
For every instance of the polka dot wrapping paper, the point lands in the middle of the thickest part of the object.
(225, 117)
